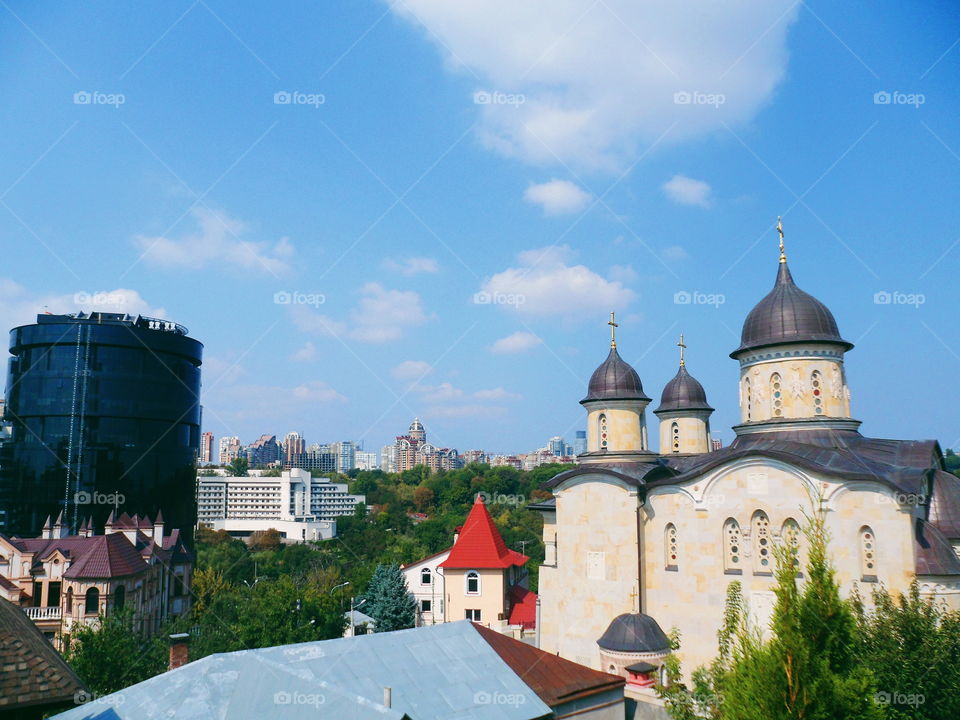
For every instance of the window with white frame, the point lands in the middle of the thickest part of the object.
(472, 583)
(670, 546)
(426, 577)
(472, 615)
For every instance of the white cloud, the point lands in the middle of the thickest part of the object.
(518, 342)
(463, 411)
(623, 273)
(557, 197)
(444, 392)
(218, 243)
(685, 190)
(307, 353)
(497, 393)
(412, 265)
(316, 391)
(570, 81)
(411, 370)
(267, 403)
(545, 284)
(674, 252)
(381, 315)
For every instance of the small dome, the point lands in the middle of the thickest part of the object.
(416, 425)
(788, 315)
(684, 392)
(615, 379)
(634, 633)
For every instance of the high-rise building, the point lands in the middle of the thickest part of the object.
(716, 444)
(293, 445)
(206, 447)
(229, 449)
(413, 449)
(263, 451)
(346, 452)
(556, 445)
(367, 460)
(388, 458)
(473, 456)
(105, 413)
(580, 442)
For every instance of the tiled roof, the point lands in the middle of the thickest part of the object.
(945, 504)
(32, 673)
(423, 560)
(480, 544)
(934, 553)
(523, 606)
(554, 679)
(107, 556)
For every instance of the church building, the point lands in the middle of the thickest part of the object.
(651, 540)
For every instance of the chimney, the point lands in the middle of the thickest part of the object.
(388, 697)
(158, 529)
(179, 654)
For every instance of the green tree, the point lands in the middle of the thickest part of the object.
(238, 467)
(912, 645)
(111, 654)
(389, 602)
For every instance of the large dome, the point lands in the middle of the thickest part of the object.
(634, 633)
(788, 315)
(684, 392)
(615, 379)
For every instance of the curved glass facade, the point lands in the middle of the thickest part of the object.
(105, 414)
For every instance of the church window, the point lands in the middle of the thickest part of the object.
(602, 430)
(732, 548)
(816, 383)
(760, 530)
(675, 436)
(868, 555)
(748, 397)
(776, 395)
(670, 546)
(791, 537)
(472, 580)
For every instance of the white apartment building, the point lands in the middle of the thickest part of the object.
(425, 582)
(298, 505)
(367, 460)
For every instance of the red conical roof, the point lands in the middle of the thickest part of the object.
(480, 545)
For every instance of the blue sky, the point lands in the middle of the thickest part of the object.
(559, 160)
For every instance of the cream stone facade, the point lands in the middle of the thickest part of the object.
(638, 535)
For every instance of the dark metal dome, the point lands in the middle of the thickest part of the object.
(684, 392)
(788, 315)
(634, 633)
(615, 379)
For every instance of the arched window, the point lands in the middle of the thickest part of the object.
(472, 580)
(69, 608)
(675, 436)
(602, 430)
(426, 577)
(119, 595)
(92, 602)
(760, 532)
(776, 395)
(790, 532)
(868, 555)
(670, 546)
(748, 397)
(732, 548)
(816, 384)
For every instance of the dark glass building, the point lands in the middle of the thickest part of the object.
(105, 413)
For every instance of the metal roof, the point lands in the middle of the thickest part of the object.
(683, 392)
(634, 633)
(615, 379)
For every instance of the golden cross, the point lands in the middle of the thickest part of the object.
(682, 347)
(613, 331)
(633, 596)
(783, 255)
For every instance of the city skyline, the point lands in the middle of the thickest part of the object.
(358, 242)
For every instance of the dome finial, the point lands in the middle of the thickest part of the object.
(783, 255)
(613, 331)
(682, 348)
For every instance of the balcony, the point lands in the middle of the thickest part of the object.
(43, 613)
